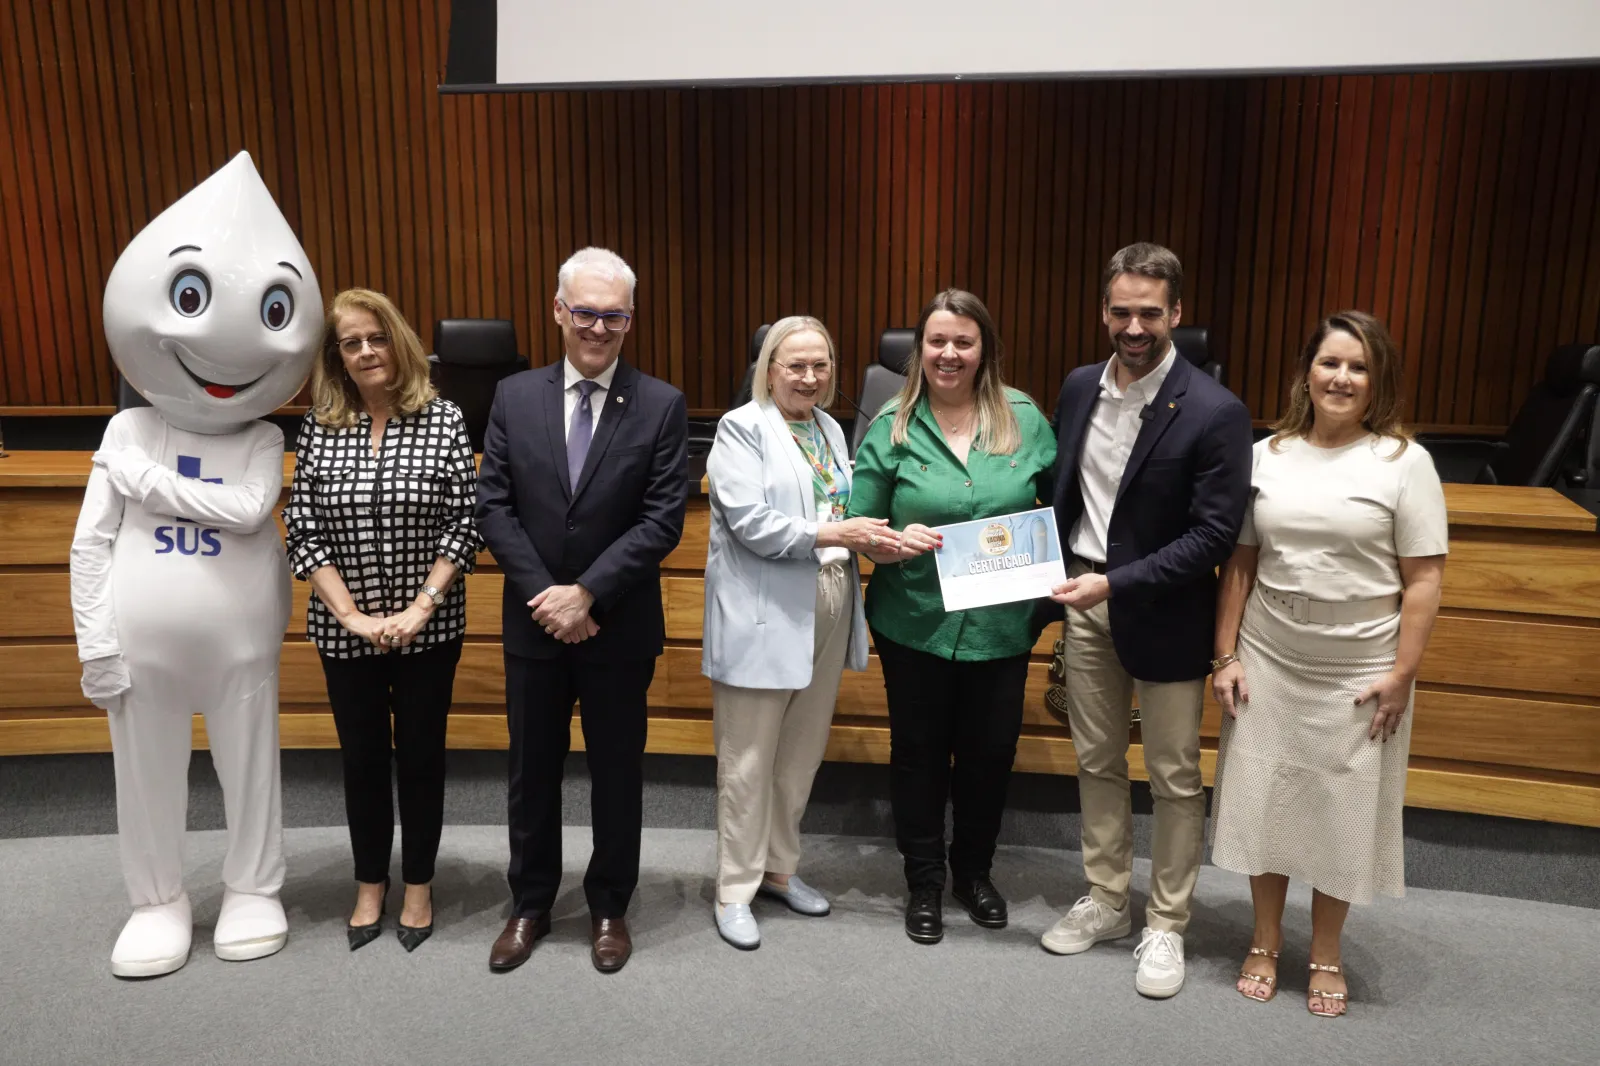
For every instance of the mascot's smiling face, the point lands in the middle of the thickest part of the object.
(212, 312)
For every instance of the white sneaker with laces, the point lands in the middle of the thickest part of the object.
(1085, 925)
(1160, 956)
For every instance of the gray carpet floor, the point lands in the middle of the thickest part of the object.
(1439, 977)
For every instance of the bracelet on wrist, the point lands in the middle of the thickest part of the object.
(1223, 660)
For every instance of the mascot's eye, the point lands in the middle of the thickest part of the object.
(191, 293)
(277, 307)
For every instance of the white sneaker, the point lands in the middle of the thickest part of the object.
(1160, 956)
(738, 925)
(249, 926)
(1085, 925)
(155, 940)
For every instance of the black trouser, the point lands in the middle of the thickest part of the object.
(415, 687)
(614, 715)
(943, 712)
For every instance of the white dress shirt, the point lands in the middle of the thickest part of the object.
(1113, 427)
(597, 398)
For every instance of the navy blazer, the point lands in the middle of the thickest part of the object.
(610, 534)
(1175, 520)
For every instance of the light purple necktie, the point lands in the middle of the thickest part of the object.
(580, 433)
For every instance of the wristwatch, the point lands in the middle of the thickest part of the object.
(433, 593)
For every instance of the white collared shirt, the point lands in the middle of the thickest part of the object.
(597, 398)
(1114, 425)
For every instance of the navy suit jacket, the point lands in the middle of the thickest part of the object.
(1175, 520)
(610, 533)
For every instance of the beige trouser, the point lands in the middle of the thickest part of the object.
(1100, 710)
(769, 745)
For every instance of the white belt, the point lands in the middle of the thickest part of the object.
(1303, 609)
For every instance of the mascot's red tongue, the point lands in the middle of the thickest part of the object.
(221, 392)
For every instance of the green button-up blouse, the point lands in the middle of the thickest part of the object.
(920, 480)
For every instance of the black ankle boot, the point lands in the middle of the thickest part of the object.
(983, 901)
(925, 915)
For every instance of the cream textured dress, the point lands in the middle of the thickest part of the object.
(1301, 790)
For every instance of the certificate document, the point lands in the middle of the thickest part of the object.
(1000, 560)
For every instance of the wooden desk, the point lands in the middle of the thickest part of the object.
(1508, 705)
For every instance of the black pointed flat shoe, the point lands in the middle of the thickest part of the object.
(362, 935)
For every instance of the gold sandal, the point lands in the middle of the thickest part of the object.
(1270, 980)
(1342, 997)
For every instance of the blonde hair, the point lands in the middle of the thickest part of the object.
(334, 397)
(1383, 372)
(782, 330)
(995, 431)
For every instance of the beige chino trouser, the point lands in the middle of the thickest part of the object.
(1100, 711)
(769, 745)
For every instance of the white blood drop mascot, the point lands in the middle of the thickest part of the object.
(180, 590)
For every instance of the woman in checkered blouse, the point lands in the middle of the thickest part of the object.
(380, 521)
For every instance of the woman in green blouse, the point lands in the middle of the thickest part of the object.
(956, 445)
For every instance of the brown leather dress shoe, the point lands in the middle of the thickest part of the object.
(515, 943)
(611, 944)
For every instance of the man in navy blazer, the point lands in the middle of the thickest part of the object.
(1152, 479)
(581, 495)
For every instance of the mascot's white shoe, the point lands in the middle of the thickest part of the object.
(250, 927)
(155, 940)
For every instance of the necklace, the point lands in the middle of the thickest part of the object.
(951, 425)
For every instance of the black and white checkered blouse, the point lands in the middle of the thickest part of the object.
(383, 519)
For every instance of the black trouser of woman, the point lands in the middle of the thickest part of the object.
(415, 687)
(953, 730)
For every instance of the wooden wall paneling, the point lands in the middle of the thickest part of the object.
(1545, 267)
(1582, 292)
(52, 300)
(19, 345)
(89, 228)
(1459, 206)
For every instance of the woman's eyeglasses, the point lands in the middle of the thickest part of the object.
(378, 342)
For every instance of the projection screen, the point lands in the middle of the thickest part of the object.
(527, 44)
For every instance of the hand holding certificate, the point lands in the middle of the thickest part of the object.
(1000, 560)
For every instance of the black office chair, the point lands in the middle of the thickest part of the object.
(1194, 344)
(882, 381)
(473, 355)
(1551, 439)
(746, 388)
(128, 396)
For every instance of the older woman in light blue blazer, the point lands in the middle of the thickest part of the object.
(783, 616)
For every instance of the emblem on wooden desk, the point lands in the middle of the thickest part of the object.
(1055, 693)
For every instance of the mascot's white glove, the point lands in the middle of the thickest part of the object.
(105, 679)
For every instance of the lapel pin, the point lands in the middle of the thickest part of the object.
(619, 399)
(1169, 402)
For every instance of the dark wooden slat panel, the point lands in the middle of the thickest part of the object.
(1462, 207)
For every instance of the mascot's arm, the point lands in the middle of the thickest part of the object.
(104, 674)
(241, 508)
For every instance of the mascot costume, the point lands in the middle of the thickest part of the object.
(180, 590)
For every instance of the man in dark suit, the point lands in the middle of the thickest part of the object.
(580, 497)
(1152, 479)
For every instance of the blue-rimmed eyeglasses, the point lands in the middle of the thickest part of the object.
(584, 318)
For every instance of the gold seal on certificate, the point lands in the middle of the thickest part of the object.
(994, 539)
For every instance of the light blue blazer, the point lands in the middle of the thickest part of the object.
(761, 567)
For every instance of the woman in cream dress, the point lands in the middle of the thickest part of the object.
(1322, 618)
